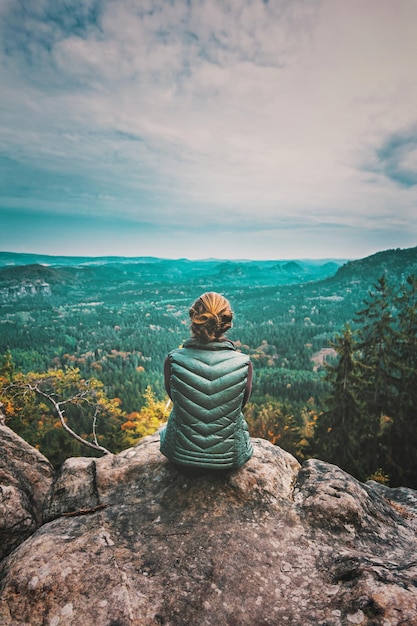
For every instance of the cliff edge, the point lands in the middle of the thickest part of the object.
(126, 540)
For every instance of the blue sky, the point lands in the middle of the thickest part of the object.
(211, 128)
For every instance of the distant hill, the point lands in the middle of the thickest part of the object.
(32, 272)
(22, 258)
(19, 267)
(395, 263)
(75, 276)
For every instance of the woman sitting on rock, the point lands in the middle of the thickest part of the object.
(208, 382)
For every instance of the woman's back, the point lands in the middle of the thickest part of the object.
(209, 383)
(206, 427)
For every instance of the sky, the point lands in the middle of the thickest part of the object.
(258, 129)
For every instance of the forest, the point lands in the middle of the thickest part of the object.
(333, 345)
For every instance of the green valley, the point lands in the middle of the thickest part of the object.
(115, 319)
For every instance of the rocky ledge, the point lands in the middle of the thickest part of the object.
(126, 540)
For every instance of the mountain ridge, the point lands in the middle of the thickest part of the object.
(28, 258)
(227, 272)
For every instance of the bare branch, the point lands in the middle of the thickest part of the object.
(78, 398)
(94, 426)
(56, 405)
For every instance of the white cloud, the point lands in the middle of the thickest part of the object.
(245, 110)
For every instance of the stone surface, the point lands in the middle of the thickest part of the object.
(25, 478)
(128, 541)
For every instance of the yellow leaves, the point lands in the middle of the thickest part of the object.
(385, 422)
(273, 437)
(273, 422)
(8, 407)
(146, 421)
(37, 404)
(379, 476)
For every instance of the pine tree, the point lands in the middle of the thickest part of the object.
(370, 421)
(376, 345)
(6, 366)
(401, 439)
(342, 432)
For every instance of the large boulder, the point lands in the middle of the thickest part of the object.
(25, 479)
(128, 541)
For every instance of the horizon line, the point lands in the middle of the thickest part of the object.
(182, 258)
(201, 260)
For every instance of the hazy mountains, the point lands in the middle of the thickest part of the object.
(37, 271)
(15, 268)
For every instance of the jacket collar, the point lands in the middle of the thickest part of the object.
(221, 344)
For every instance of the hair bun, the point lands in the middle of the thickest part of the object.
(211, 316)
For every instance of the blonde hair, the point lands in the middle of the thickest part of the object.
(211, 316)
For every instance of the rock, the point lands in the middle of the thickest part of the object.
(25, 479)
(128, 541)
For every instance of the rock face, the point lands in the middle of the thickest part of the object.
(128, 541)
(25, 479)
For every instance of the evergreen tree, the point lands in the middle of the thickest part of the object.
(6, 366)
(376, 344)
(400, 440)
(342, 433)
(370, 421)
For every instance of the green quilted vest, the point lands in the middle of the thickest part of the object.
(206, 427)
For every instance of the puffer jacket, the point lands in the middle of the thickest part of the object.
(206, 427)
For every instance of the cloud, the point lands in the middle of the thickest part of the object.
(248, 113)
(397, 158)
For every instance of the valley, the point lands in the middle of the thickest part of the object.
(115, 320)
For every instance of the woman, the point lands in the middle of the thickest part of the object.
(208, 382)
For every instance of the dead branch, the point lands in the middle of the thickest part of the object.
(99, 507)
(59, 412)
(25, 388)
